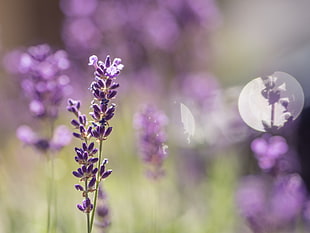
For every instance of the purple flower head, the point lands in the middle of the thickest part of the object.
(43, 79)
(288, 198)
(201, 88)
(78, 8)
(103, 212)
(86, 206)
(251, 202)
(104, 87)
(150, 124)
(106, 69)
(61, 138)
(74, 106)
(268, 149)
(173, 21)
(86, 172)
(270, 205)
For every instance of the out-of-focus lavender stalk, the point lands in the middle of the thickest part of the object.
(150, 124)
(271, 205)
(102, 212)
(45, 85)
(92, 169)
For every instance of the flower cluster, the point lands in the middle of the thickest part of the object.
(92, 167)
(268, 150)
(271, 205)
(150, 124)
(60, 138)
(45, 84)
(137, 29)
(162, 26)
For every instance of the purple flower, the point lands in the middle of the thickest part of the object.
(106, 69)
(92, 168)
(150, 124)
(61, 138)
(86, 206)
(268, 149)
(44, 82)
(103, 212)
(145, 26)
(201, 88)
(271, 205)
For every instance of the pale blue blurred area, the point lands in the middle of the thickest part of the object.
(259, 37)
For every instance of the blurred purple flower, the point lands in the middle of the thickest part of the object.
(78, 7)
(201, 88)
(288, 198)
(148, 34)
(103, 212)
(150, 124)
(112, 17)
(271, 205)
(61, 138)
(268, 149)
(43, 82)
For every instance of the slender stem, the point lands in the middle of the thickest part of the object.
(97, 186)
(50, 193)
(156, 204)
(87, 215)
(272, 115)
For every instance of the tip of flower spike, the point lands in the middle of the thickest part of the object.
(93, 60)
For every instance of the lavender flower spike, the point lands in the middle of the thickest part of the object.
(92, 168)
(150, 124)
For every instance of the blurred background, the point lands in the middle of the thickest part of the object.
(200, 53)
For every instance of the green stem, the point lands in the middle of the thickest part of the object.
(87, 215)
(50, 193)
(97, 186)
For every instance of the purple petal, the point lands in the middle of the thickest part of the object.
(26, 134)
(106, 174)
(93, 160)
(92, 182)
(79, 187)
(80, 207)
(90, 168)
(111, 94)
(108, 61)
(91, 146)
(77, 135)
(84, 145)
(75, 123)
(76, 174)
(114, 86)
(108, 132)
